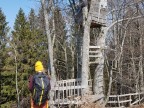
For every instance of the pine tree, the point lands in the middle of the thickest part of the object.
(3, 36)
(21, 40)
(30, 44)
(38, 40)
(7, 89)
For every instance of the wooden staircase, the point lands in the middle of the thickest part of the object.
(94, 54)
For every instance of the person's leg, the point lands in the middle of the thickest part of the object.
(32, 104)
(45, 105)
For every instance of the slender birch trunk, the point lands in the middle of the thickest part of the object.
(16, 77)
(72, 69)
(50, 50)
(141, 66)
(66, 62)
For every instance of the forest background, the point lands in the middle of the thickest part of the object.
(21, 47)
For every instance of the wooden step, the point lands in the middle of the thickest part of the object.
(96, 47)
(94, 62)
(94, 52)
(95, 56)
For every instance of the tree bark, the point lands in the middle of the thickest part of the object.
(50, 50)
(79, 53)
(98, 84)
(141, 64)
(16, 79)
(85, 50)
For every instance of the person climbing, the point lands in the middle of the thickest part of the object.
(39, 86)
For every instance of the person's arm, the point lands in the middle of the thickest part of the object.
(30, 86)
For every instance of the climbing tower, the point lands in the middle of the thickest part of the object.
(71, 91)
(94, 20)
(90, 17)
(97, 9)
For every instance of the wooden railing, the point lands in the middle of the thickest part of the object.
(69, 91)
(125, 99)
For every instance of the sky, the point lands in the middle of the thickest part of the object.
(10, 8)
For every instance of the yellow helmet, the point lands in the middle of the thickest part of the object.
(39, 66)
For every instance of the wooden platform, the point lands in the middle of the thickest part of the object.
(70, 92)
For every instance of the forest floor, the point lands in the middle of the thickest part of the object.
(97, 106)
(138, 106)
(26, 102)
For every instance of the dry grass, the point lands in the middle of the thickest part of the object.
(91, 105)
(138, 106)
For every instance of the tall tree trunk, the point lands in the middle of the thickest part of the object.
(98, 78)
(66, 61)
(50, 49)
(16, 79)
(141, 65)
(79, 53)
(72, 69)
(85, 50)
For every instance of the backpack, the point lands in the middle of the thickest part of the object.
(41, 84)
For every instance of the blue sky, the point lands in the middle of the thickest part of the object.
(11, 7)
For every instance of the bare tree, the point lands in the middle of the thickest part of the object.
(128, 58)
(50, 46)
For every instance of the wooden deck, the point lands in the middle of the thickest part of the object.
(70, 92)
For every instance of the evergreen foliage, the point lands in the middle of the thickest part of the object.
(21, 41)
(5, 79)
(30, 43)
(3, 35)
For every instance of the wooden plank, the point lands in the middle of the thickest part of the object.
(67, 88)
(112, 102)
(96, 56)
(66, 102)
(118, 101)
(137, 101)
(124, 101)
(94, 52)
(123, 95)
(93, 62)
(69, 80)
(94, 47)
(130, 99)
